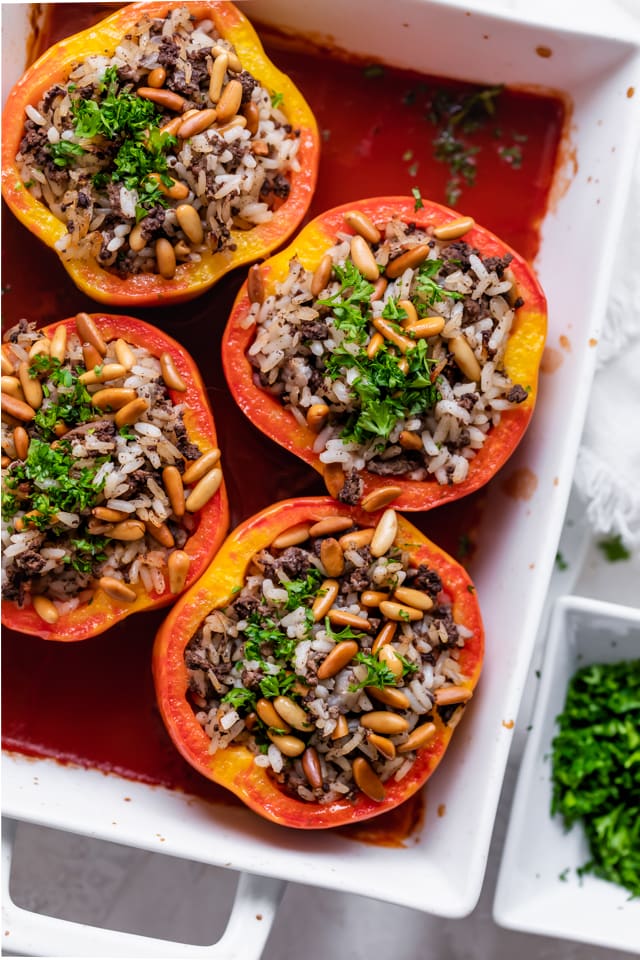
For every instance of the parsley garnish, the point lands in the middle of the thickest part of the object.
(73, 403)
(561, 563)
(347, 633)
(87, 552)
(428, 290)
(276, 685)
(55, 481)
(351, 304)
(276, 99)
(417, 196)
(64, 152)
(614, 549)
(240, 698)
(378, 673)
(298, 591)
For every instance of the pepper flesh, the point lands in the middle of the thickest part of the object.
(191, 279)
(521, 360)
(234, 767)
(90, 619)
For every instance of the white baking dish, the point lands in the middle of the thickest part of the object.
(441, 868)
(538, 889)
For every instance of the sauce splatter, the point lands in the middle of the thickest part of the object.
(551, 360)
(521, 484)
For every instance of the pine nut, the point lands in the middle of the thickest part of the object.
(334, 478)
(90, 356)
(197, 468)
(31, 386)
(204, 490)
(127, 530)
(216, 76)
(357, 538)
(317, 416)
(410, 310)
(170, 374)
(269, 715)
(374, 345)
(465, 358)
(324, 599)
(287, 744)
(175, 191)
(379, 498)
(398, 611)
(454, 229)
(113, 398)
(157, 77)
(410, 259)
(137, 239)
(367, 780)
(341, 728)
(165, 258)
(312, 768)
(379, 288)
(171, 127)
(391, 334)
(174, 489)
(363, 258)
(414, 598)
(11, 386)
(161, 533)
(383, 721)
(5, 461)
(291, 537)
(403, 365)
(386, 747)
(230, 100)
(234, 59)
(178, 568)
(58, 347)
(197, 123)
(386, 635)
(164, 98)
(260, 148)
(89, 333)
(293, 713)
(45, 609)
(384, 533)
(418, 738)
(21, 442)
(60, 428)
(41, 347)
(189, 221)
(360, 223)
(452, 694)
(237, 121)
(255, 284)
(300, 688)
(109, 515)
(427, 327)
(343, 618)
(7, 365)
(372, 598)
(342, 654)
(390, 696)
(182, 250)
(252, 115)
(105, 372)
(410, 441)
(390, 658)
(116, 589)
(131, 412)
(330, 525)
(321, 275)
(513, 294)
(332, 557)
(16, 408)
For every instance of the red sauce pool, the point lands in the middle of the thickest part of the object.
(92, 703)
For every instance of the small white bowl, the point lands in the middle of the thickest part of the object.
(538, 890)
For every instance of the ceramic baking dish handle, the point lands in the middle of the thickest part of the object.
(35, 935)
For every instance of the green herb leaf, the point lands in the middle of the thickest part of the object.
(378, 673)
(614, 549)
(276, 99)
(419, 204)
(240, 698)
(64, 152)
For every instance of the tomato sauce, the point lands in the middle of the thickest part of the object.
(92, 703)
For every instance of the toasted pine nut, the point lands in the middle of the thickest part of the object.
(12, 388)
(204, 490)
(386, 747)
(117, 589)
(385, 533)
(197, 468)
(411, 258)
(182, 250)
(90, 356)
(452, 694)
(372, 598)
(165, 258)
(131, 412)
(60, 428)
(513, 294)
(105, 372)
(379, 288)
(45, 609)
(234, 59)
(300, 688)
(197, 123)
(176, 191)
(311, 767)
(391, 334)
(89, 333)
(317, 415)
(357, 538)
(109, 515)
(341, 728)
(137, 239)
(163, 97)
(363, 258)
(465, 358)
(237, 121)
(161, 533)
(293, 713)
(174, 489)
(16, 408)
(367, 780)
(7, 365)
(454, 229)
(332, 557)
(230, 100)
(178, 568)
(427, 327)
(31, 386)
(170, 374)
(334, 478)
(403, 365)
(127, 530)
(386, 635)
(21, 442)
(292, 536)
(321, 275)
(260, 148)
(390, 658)
(399, 611)
(390, 696)
(157, 77)
(343, 618)
(379, 498)
(361, 223)
(330, 525)
(252, 115)
(384, 721)
(324, 599)
(418, 738)
(171, 127)
(255, 284)
(414, 598)
(216, 76)
(342, 654)
(410, 441)
(58, 348)
(410, 310)
(113, 398)
(269, 715)
(287, 744)
(189, 220)
(40, 347)
(374, 345)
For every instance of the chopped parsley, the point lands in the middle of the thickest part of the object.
(240, 698)
(347, 633)
(276, 99)
(277, 685)
(512, 155)
(73, 403)
(561, 563)
(417, 196)
(428, 290)
(299, 591)
(351, 304)
(87, 552)
(614, 549)
(64, 152)
(378, 673)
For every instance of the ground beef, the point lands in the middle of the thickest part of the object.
(444, 615)
(428, 580)
(168, 52)
(152, 223)
(245, 604)
(35, 144)
(316, 380)
(456, 257)
(195, 658)
(188, 450)
(84, 200)
(446, 712)
(30, 563)
(55, 91)
(294, 562)
(199, 74)
(314, 330)
(356, 581)
(113, 192)
(392, 467)
(102, 430)
(249, 83)
(351, 489)
(138, 481)
(473, 310)
(468, 400)
(499, 264)
(126, 74)
(251, 677)
(517, 394)
(279, 186)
